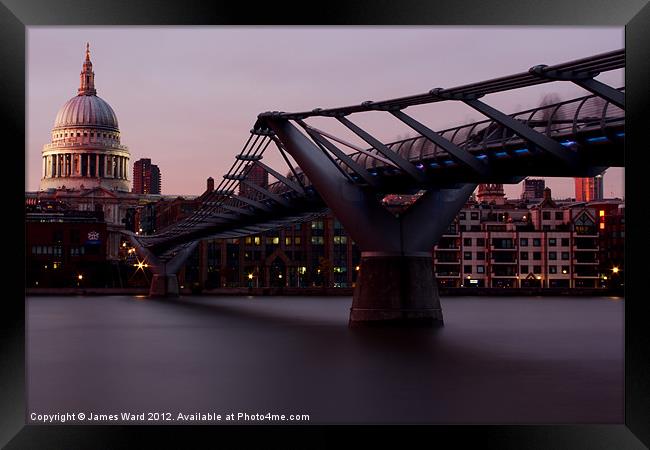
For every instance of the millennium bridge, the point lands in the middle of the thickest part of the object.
(580, 137)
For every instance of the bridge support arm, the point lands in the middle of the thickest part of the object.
(395, 282)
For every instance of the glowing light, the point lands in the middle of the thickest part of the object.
(250, 276)
(615, 269)
(123, 244)
(601, 213)
(564, 271)
(80, 276)
(357, 268)
(538, 277)
(602, 226)
(605, 277)
(140, 265)
(280, 275)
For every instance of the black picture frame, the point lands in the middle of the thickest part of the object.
(16, 15)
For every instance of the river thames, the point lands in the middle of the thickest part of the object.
(496, 361)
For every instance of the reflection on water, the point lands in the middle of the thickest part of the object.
(496, 360)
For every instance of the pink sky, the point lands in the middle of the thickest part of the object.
(186, 97)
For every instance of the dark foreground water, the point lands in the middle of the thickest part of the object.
(497, 360)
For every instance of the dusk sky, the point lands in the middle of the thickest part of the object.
(187, 97)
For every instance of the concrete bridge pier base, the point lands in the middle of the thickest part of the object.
(164, 286)
(396, 290)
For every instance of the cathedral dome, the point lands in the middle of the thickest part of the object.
(86, 111)
(85, 150)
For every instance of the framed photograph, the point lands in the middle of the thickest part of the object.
(324, 194)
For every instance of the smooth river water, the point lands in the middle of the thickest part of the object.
(496, 361)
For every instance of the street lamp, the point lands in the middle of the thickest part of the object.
(615, 269)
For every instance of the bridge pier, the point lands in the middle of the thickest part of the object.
(164, 285)
(396, 283)
(396, 289)
(164, 282)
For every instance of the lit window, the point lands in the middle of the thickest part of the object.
(601, 213)
(602, 225)
(287, 240)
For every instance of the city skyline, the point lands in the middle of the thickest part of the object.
(187, 97)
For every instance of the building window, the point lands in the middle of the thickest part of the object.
(546, 215)
(565, 242)
(552, 256)
(297, 240)
(467, 256)
(480, 255)
(257, 240)
(480, 269)
(552, 269)
(461, 216)
(552, 242)
(467, 242)
(537, 256)
(317, 225)
(523, 255)
(566, 269)
(559, 215)
(287, 240)
(537, 269)
(474, 216)
(248, 240)
(524, 269)
(340, 239)
(317, 240)
(467, 269)
(565, 256)
(523, 242)
(480, 242)
(537, 242)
